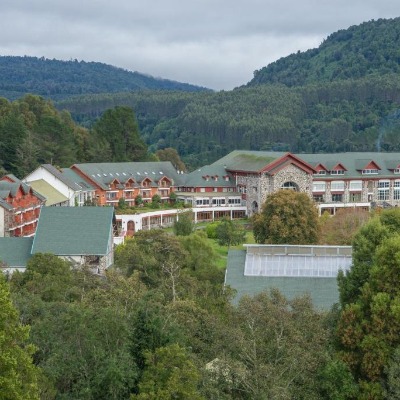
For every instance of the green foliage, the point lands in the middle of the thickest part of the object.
(138, 200)
(287, 217)
(118, 127)
(230, 233)
(349, 53)
(365, 243)
(169, 374)
(369, 326)
(59, 79)
(173, 198)
(47, 276)
(170, 154)
(393, 372)
(280, 347)
(184, 225)
(122, 204)
(32, 131)
(211, 230)
(341, 228)
(155, 201)
(156, 326)
(18, 375)
(337, 382)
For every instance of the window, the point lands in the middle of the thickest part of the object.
(319, 186)
(396, 190)
(337, 172)
(318, 198)
(234, 201)
(111, 195)
(355, 197)
(337, 197)
(383, 190)
(369, 171)
(337, 186)
(320, 172)
(355, 185)
(290, 186)
(396, 171)
(202, 202)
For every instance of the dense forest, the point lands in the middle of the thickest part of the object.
(60, 79)
(160, 325)
(356, 52)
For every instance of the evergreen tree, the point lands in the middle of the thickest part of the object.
(120, 129)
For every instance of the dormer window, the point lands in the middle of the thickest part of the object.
(396, 171)
(337, 172)
(370, 171)
(320, 172)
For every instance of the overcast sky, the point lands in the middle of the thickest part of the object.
(212, 43)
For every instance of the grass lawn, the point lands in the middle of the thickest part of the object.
(222, 251)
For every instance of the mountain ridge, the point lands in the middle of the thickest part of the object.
(372, 47)
(58, 79)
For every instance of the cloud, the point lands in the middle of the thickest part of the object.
(212, 43)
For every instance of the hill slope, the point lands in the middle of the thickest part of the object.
(372, 48)
(60, 79)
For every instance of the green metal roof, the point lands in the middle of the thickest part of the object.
(15, 251)
(4, 204)
(72, 176)
(104, 173)
(323, 291)
(247, 160)
(73, 230)
(252, 161)
(198, 177)
(355, 162)
(52, 195)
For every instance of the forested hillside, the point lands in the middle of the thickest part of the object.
(57, 79)
(33, 132)
(369, 48)
(296, 109)
(343, 96)
(348, 115)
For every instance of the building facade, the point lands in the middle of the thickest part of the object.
(19, 208)
(130, 181)
(333, 181)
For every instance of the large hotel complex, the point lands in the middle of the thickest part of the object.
(234, 186)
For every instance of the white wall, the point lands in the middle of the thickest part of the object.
(42, 173)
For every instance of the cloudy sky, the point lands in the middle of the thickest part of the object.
(212, 43)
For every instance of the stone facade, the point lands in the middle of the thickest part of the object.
(259, 186)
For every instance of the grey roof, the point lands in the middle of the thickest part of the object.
(59, 174)
(15, 251)
(251, 161)
(77, 181)
(10, 188)
(323, 291)
(73, 230)
(248, 160)
(355, 162)
(104, 173)
(198, 177)
(4, 204)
